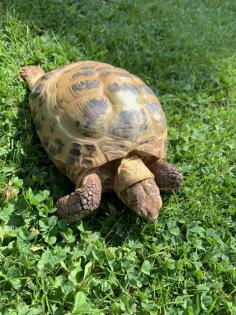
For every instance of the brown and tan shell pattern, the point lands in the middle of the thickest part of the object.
(89, 113)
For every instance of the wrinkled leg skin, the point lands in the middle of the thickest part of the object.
(167, 177)
(143, 198)
(83, 201)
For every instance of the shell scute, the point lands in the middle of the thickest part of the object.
(91, 148)
(75, 151)
(55, 147)
(87, 163)
(70, 161)
(37, 90)
(128, 123)
(146, 89)
(116, 87)
(47, 76)
(96, 107)
(82, 73)
(85, 85)
(59, 142)
(155, 110)
(87, 67)
(95, 113)
(92, 116)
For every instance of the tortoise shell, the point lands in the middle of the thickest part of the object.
(89, 113)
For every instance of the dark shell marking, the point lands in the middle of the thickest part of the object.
(71, 161)
(115, 87)
(55, 149)
(156, 112)
(52, 126)
(37, 90)
(143, 121)
(80, 74)
(87, 163)
(41, 101)
(154, 107)
(87, 67)
(86, 130)
(122, 133)
(129, 123)
(93, 111)
(47, 75)
(90, 147)
(129, 118)
(82, 85)
(52, 149)
(75, 150)
(59, 142)
(95, 107)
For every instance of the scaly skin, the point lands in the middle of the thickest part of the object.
(136, 187)
(167, 177)
(143, 198)
(133, 181)
(83, 201)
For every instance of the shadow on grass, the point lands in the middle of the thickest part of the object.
(151, 41)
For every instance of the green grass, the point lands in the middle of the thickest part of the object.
(114, 262)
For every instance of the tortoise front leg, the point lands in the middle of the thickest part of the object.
(167, 177)
(83, 201)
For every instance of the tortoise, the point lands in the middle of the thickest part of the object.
(105, 129)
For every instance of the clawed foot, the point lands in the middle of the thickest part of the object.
(83, 201)
(167, 177)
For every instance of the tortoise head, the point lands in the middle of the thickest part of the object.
(136, 187)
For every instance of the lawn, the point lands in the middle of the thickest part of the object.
(113, 262)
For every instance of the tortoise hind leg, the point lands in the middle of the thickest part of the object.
(167, 177)
(83, 201)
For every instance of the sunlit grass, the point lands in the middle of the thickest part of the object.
(114, 262)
